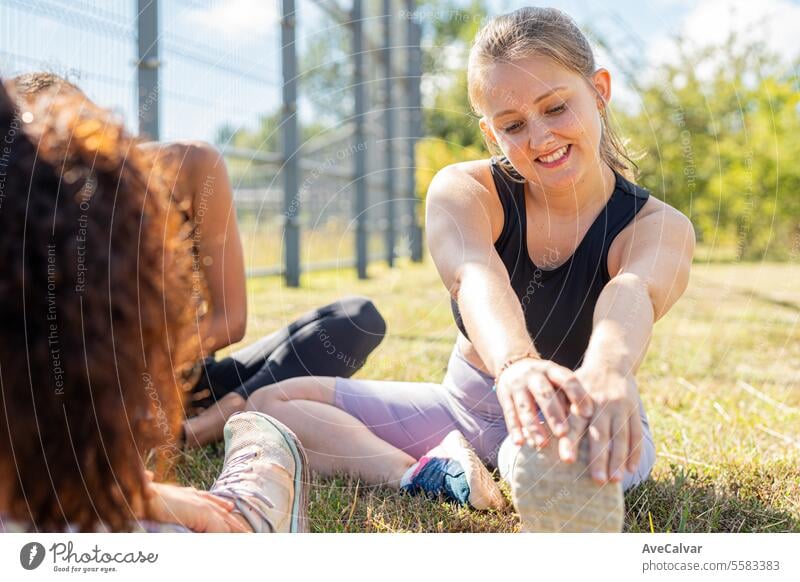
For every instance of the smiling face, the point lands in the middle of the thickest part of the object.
(545, 118)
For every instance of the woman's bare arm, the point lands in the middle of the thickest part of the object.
(653, 274)
(219, 248)
(203, 188)
(462, 219)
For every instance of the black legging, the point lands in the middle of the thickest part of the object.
(334, 340)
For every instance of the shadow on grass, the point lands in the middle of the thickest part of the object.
(763, 497)
(346, 505)
(752, 294)
(733, 498)
(740, 498)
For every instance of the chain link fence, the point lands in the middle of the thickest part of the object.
(315, 105)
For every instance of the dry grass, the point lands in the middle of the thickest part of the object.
(720, 386)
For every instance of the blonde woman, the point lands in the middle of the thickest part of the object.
(558, 265)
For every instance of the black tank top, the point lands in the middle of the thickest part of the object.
(559, 303)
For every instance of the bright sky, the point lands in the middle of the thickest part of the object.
(222, 60)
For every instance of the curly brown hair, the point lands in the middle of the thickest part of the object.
(95, 314)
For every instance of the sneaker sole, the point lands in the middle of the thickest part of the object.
(484, 493)
(553, 496)
(299, 523)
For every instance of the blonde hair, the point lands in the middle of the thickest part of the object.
(547, 32)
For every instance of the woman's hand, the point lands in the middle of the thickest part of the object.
(528, 386)
(615, 429)
(199, 511)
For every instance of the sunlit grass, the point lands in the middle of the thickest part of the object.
(720, 384)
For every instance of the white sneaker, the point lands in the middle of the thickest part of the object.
(265, 473)
(553, 496)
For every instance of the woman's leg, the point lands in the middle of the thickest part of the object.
(333, 340)
(401, 434)
(375, 430)
(207, 426)
(335, 441)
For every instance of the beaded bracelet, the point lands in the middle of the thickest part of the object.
(509, 362)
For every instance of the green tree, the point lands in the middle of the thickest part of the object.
(448, 33)
(450, 127)
(720, 132)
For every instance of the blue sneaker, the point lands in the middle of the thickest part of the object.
(453, 470)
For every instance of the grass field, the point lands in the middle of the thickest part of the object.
(721, 386)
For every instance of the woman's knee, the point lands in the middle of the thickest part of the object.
(365, 317)
(315, 388)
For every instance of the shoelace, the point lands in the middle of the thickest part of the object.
(226, 485)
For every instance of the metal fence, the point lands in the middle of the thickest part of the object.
(316, 106)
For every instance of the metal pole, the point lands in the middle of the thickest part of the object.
(388, 115)
(148, 65)
(358, 135)
(414, 100)
(291, 196)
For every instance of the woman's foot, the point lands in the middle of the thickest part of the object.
(553, 496)
(265, 473)
(207, 427)
(454, 470)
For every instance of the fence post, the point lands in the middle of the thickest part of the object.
(147, 67)
(414, 103)
(388, 114)
(360, 178)
(291, 196)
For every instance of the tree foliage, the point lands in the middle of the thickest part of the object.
(718, 128)
(450, 126)
(720, 134)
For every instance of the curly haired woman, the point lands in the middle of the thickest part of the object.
(201, 189)
(96, 341)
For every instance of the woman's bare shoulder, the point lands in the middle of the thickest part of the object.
(461, 180)
(466, 190)
(478, 170)
(654, 211)
(654, 206)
